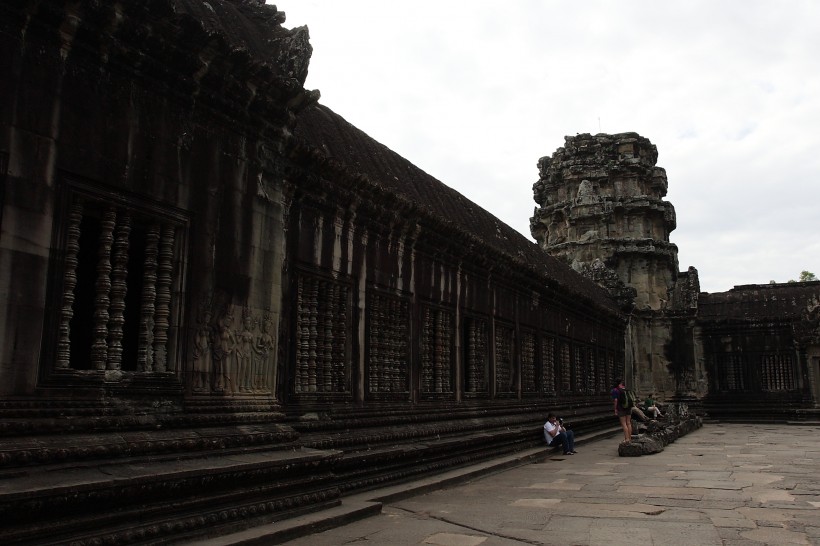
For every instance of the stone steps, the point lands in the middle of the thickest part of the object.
(131, 501)
(365, 504)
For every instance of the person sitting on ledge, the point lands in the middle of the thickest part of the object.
(556, 435)
(651, 407)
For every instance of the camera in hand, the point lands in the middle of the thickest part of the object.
(561, 423)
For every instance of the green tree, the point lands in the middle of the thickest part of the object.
(805, 276)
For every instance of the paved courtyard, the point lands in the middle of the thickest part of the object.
(724, 484)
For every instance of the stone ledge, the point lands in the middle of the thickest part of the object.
(659, 434)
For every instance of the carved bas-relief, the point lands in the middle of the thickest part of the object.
(224, 356)
(241, 357)
(263, 361)
(203, 355)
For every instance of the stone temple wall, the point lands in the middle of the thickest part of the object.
(222, 305)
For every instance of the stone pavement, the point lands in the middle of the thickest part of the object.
(724, 484)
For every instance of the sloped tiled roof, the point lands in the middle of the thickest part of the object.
(759, 302)
(323, 129)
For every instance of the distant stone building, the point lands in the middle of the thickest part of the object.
(749, 353)
(761, 351)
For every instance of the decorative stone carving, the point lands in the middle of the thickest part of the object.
(203, 361)
(477, 356)
(632, 218)
(322, 326)
(504, 373)
(587, 195)
(99, 347)
(72, 246)
(436, 355)
(163, 298)
(145, 359)
(528, 384)
(224, 372)
(548, 367)
(565, 365)
(388, 345)
(118, 291)
(128, 332)
(265, 346)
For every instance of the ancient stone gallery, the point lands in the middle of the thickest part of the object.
(223, 305)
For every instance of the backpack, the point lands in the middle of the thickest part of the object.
(627, 399)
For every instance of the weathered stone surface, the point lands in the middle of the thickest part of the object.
(601, 209)
(656, 434)
(225, 305)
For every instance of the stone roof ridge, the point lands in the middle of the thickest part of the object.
(779, 286)
(255, 28)
(322, 129)
(759, 300)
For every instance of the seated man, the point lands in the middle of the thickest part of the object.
(651, 407)
(556, 435)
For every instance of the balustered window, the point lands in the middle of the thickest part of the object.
(120, 284)
(504, 372)
(476, 356)
(777, 372)
(565, 369)
(611, 371)
(322, 333)
(730, 372)
(436, 351)
(548, 365)
(592, 378)
(528, 383)
(604, 374)
(579, 369)
(388, 345)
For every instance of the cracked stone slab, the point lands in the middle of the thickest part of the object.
(670, 492)
(557, 486)
(772, 496)
(453, 539)
(773, 535)
(536, 503)
(715, 484)
(734, 523)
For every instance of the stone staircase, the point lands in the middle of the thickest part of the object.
(135, 475)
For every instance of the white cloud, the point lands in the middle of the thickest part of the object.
(475, 92)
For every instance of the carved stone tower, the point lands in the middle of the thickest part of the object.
(601, 197)
(602, 211)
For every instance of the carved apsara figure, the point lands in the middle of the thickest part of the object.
(203, 355)
(223, 361)
(245, 351)
(264, 350)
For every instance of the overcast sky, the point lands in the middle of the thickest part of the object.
(474, 92)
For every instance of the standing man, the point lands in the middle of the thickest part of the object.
(624, 414)
(557, 435)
